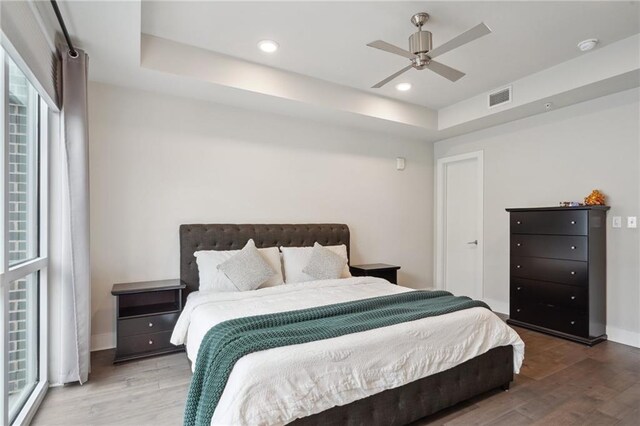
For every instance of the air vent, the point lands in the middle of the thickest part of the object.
(500, 97)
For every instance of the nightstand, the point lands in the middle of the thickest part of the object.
(146, 313)
(380, 270)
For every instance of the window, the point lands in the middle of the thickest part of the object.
(24, 254)
(23, 167)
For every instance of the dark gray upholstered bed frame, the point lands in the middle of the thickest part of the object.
(397, 406)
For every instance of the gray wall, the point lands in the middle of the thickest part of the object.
(563, 155)
(159, 161)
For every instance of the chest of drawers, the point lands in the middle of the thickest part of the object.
(558, 271)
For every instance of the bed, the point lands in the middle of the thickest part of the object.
(288, 385)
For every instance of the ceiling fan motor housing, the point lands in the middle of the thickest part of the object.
(420, 42)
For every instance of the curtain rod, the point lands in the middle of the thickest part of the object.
(72, 51)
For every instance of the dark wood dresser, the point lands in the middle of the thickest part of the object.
(558, 271)
(146, 313)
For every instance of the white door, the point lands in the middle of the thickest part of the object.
(459, 224)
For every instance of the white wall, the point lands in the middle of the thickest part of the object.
(158, 161)
(557, 156)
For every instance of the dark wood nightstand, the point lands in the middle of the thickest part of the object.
(380, 270)
(146, 313)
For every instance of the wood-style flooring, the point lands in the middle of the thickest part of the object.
(561, 383)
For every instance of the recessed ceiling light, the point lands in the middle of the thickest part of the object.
(586, 45)
(403, 87)
(268, 46)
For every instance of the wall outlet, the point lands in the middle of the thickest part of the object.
(632, 222)
(616, 221)
(400, 163)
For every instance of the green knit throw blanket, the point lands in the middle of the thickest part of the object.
(227, 342)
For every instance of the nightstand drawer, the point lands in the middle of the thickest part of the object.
(148, 324)
(141, 343)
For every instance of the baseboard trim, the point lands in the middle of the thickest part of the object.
(100, 342)
(625, 337)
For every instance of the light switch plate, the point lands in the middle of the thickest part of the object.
(400, 163)
(632, 222)
(616, 221)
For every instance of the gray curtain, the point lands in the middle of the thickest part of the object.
(74, 272)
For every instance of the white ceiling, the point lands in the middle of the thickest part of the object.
(112, 33)
(327, 40)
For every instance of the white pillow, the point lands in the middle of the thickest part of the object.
(295, 259)
(213, 279)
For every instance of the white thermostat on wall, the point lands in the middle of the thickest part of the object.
(400, 163)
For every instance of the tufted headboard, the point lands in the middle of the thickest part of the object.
(234, 237)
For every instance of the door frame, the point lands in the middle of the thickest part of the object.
(440, 207)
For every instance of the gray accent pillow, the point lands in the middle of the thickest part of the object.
(324, 264)
(247, 269)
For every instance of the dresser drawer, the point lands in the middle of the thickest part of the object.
(568, 222)
(141, 343)
(559, 271)
(525, 292)
(147, 324)
(565, 320)
(551, 246)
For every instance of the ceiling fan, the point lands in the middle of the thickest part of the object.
(421, 53)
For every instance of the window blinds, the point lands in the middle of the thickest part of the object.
(23, 34)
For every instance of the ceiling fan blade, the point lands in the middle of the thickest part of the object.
(391, 77)
(464, 38)
(387, 47)
(445, 71)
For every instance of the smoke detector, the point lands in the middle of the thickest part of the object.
(586, 45)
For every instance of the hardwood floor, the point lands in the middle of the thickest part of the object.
(561, 383)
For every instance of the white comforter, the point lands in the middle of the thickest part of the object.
(278, 385)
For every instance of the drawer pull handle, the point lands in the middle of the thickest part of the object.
(519, 288)
(573, 272)
(518, 266)
(150, 324)
(518, 222)
(573, 298)
(517, 310)
(573, 222)
(573, 322)
(573, 247)
(151, 342)
(518, 245)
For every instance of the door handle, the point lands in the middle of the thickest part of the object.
(473, 242)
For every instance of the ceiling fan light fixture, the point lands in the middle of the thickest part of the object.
(586, 45)
(268, 46)
(403, 87)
